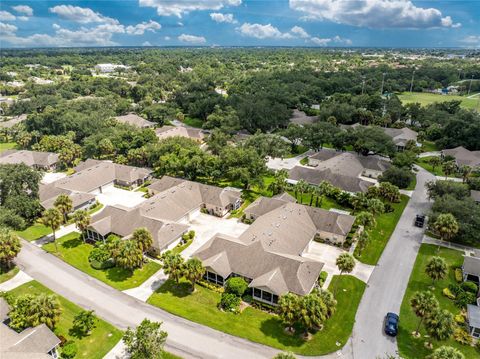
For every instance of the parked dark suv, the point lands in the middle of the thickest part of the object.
(391, 324)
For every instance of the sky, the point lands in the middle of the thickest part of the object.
(316, 23)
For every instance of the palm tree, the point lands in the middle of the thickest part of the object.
(466, 171)
(143, 238)
(9, 248)
(279, 182)
(375, 206)
(448, 168)
(300, 187)
(82, 220)
(44, 309)
(345, 264)
(434, 162)
(446, 226)
(359, 201)
(317, 192)
(441, 324)
(288, 306)
(436, 268)
(64, 204)
(445, 352)
(128, 255)
(366, 219)
(194, 271)
(325, 188)
(312, 312)
(173, 265)
(329, 300)
(362, 241)
(52, 218)
(423, 304)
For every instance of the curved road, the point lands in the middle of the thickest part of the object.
(191, 340)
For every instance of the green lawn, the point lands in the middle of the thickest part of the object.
(193, 122)
(412, 184)
(409, 346)
(7, 146)
(423, 162)
(181, 247)
(259, 326)
(34, 232)
(75, 252)
(326, 203)
(4, 276)
(425, 99)
(429, 146)
(380, 235)
(95, 346)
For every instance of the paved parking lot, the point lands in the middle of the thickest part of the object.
(112, 196)
(205, 226)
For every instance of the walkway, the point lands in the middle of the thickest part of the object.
(19, 279)
(286, 163)
(146, 289)
(429, 240)
(389, 280)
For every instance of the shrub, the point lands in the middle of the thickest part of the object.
(455, 289)
(211, 286)
(247, 298)
(230, 302)
(98, 255)
(469, 287)
(191, 234)
(460, 319)
(447, 293)
(109, 263)
(458, 275)
(400, 177)
(322, 278)
(69, 350)
(236, 286)
(462, 336)
(464, 298)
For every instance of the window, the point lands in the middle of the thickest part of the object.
(476, 333)
(266, 296)
(257, 293)
(275, 299)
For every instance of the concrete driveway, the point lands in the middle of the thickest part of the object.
(286, 163)
(328, 254)
(206, 226)
(112, 196)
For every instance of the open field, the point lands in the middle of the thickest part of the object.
(425, 98)
(102, 339)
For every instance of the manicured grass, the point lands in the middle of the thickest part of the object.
(412, 184)
(410, 347)
(429, 146)
(298, 151)
(181, 247)
(193, 122)
(258, 326)
(74, 251)
(304, 161)
(326, 203)
(95, 346)
(424, 163)
(7, 146)
(380, 235)
(34, 232)
(425, 99)
(4, 276)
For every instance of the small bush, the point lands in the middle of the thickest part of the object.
(469, 287)
(236, 286)
(206, 284)
(460, 319)
(458, 275)
(98, 255)
(191, 234)
(455, 289)
(447, 293)
(109, 263)
(230, 302)
(464, 298)
(462, 336)
(247, 298)
(322, 278)
(69, 350)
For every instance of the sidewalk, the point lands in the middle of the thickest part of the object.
(117, 352)
(64, 230)
(17, 281)
(146, 289)
(468, 250)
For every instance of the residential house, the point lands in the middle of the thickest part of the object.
(268, 255)
(401, 136)
(263, 205)
(475, 196)
(166, 215)
(180, 131)
(463, 157)
(301, 118)
(13, 121)
(45, 161)
(107, 68)
(473, 320)
(33, 343)
(471, 272)
(135, 120)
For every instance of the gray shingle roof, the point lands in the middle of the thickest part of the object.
(475, 195)
(463, 156)
(473, 315)
(173, 131)
(30, 158)
(134, 120)
(471, 265)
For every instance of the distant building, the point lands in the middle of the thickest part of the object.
(301, 118)
(135, 120)
(463, 157)
(107, 68)
(46, 161)
(173, 131)
(33, 343)
(13, 121)
(401, 136)
(471, 272)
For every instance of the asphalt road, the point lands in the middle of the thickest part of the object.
(389, 280)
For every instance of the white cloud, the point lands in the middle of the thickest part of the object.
(219, 17)
(7, 29)
(260, 31)
(147, 43)
(471, 41)
(56, 26)
(180, 7)
(6, 16)
(81, 15)
(23, 9)
(373, 13)
(328, 41)
(300, 32)
(140, 29)
(167, 38)
(23, 18)
(320, 42)
(192, 39)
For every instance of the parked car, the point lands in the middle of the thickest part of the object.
(391, 324)
(420, 220)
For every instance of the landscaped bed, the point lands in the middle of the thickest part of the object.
(382, 232)
(259, 326)
(73, 250)
(102, 339)
(409, 346)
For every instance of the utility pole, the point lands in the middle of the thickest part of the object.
(411, 83)
(470, 86)
(383, 82)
